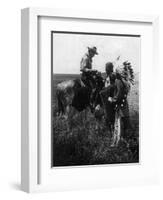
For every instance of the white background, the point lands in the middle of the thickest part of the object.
(10, 98)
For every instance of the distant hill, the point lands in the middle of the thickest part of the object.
(59, 75)
(62, 77)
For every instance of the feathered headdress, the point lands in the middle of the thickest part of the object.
(126, 71)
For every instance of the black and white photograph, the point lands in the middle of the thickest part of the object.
(95, 79)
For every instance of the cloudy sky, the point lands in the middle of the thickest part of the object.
(68, 49)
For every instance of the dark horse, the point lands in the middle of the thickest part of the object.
(76, 94)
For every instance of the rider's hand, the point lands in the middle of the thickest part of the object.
(87, 70)
(110, 99)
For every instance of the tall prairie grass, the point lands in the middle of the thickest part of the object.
(87, 142)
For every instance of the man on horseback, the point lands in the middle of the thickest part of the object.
(86, 67)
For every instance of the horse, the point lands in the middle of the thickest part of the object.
(78, 95)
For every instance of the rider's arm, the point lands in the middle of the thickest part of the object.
(84, 65)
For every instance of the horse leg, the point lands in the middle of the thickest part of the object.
(71, 112)
(60, 104)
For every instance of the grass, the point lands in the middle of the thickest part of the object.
(88, 143)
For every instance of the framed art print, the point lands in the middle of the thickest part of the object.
(86, 93)
(83, 134)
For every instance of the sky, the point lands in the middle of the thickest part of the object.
(68, 50)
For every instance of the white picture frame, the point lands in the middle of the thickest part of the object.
(32, 167)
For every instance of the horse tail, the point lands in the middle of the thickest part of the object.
(60, 102)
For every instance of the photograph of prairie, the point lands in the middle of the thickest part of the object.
(95, 98)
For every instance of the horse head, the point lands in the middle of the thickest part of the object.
(98, 84)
